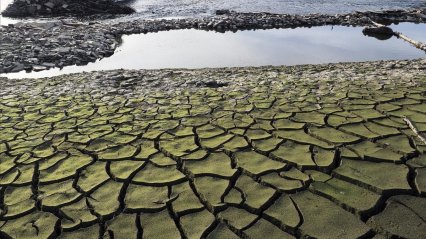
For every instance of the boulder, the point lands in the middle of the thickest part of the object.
(47, 8)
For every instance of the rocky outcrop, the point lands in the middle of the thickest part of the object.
(40, 46)
(33, 8)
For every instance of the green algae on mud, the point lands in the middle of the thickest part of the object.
(302, 151)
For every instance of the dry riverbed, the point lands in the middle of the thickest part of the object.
(333, 150)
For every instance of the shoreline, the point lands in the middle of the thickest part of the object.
(62, 43)
(169, 80)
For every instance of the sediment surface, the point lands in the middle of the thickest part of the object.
(332, 151)
(40, 46)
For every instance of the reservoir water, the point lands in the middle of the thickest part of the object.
(202, 49)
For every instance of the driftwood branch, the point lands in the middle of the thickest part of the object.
(416, 44)
(413, 128)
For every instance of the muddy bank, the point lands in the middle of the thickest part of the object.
(143, 81)
(48, 8)
(40, 46)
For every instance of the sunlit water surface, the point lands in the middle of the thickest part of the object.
(202, 49)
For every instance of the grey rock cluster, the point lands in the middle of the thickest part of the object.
(229, 20)
(40, 46)
(32, 8)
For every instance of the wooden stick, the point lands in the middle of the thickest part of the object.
(413, 128)
(377, 24)
(417, 44)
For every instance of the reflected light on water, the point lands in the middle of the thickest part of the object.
(201, 49)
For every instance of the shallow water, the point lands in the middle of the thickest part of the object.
(414, 31)
(189, 8)
(201, 49)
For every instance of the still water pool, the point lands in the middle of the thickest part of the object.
(201, 49)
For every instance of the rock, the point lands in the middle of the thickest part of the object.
(39, 68)
(381, 33)
(48, 65)
(18, 67)
(222, 12)
(49, 4)
(214, 84)
(65, 7)
(64, 50)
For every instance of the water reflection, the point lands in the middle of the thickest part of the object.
(380, 33)
(200, 49)
(413, 31)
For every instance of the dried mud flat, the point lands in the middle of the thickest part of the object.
(326, 151)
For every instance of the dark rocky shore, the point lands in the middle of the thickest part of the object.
(40, 46)
(35, 8)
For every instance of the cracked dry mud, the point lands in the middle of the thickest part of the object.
(311, 151)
